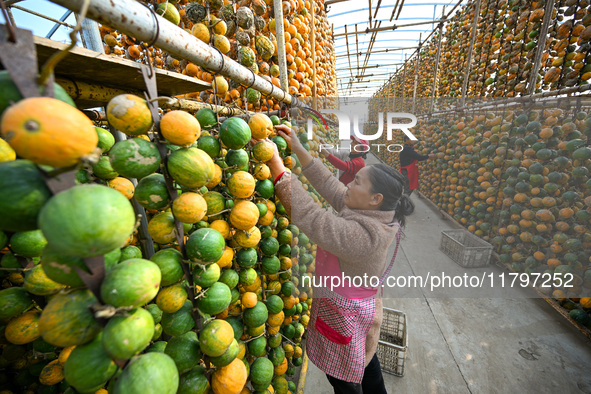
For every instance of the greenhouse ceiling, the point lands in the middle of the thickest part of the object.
(365, 60)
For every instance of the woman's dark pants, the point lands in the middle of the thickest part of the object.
(373, 381)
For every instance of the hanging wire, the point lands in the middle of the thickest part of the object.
(490, 49)
(53, 61)
(145, 46)
(9, 25)
(561, 81)
(212, 45)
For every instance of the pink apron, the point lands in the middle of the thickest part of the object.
(340, 320)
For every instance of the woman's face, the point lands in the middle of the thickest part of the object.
(359, 195)
(354, 148)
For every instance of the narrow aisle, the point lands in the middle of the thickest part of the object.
(474, 345)
(480, 345)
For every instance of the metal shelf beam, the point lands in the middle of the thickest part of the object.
(149, 27)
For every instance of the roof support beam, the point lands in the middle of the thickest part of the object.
(357, 44)
(380, 51)
(377, 8)
(399, 10)
(373, 80)
(393, 27)
(348, 53)
(371, 44)
(394, 10)
(416, 81)
(373, 66)
(531, 88)
(437, 59)
(470, 49)
(372, 75)
(331, 2)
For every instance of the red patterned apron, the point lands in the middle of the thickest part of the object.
(413, 175)
(339, 323)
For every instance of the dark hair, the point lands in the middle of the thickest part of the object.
(406, 138)
(390, 184)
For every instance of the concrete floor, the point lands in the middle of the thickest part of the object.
(474, 345)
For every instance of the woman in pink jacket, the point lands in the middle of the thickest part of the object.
(345, 319)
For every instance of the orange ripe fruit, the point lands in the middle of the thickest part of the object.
(48, 131)
(249, 299)
(180, 128)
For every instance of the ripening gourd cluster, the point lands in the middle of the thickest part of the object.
(222, 307)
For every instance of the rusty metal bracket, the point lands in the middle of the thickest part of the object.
(25, 262)
(58, 181)
(19, 58)
(94, 279)
(151, 93)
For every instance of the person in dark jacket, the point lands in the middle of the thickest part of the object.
(408, 165)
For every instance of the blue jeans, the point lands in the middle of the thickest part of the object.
(372, 383)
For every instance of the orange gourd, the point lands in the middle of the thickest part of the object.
(189, 207)
(23, 329)
(122, 185)
(52, 373)
(180, 128)
(241, 184)
(48, 131)
(244, 215)
(260, 125)
(249, 299)
(230, 379)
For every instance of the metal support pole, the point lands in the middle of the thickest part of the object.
(314, 77)
(145, 238)
(403, 82)
(10, 16)
(437, 58)
(174, 40)
(82, 38)
(278, 12)
(416, 82)
(531, 85)
(470, 49)
(92, 36)
(394, 88)
(400, 9)
(356, 44)
(348, 53)
(377, 8)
